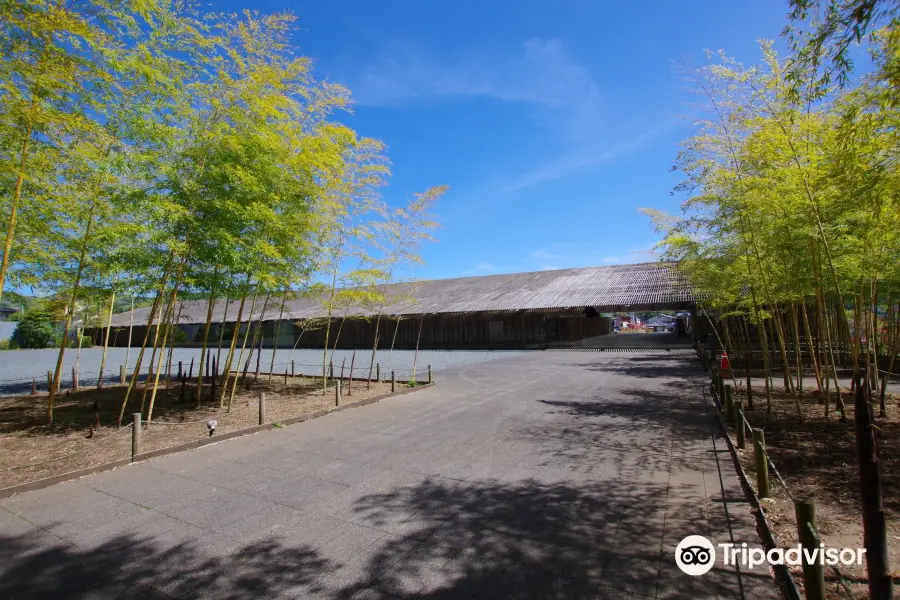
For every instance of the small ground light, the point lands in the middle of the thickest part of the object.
(211, 425)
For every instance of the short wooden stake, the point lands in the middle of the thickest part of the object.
(262, 408)
(285, 376)
(34, 386)
(337, 393)
(191, 370)
(292, 368)
(121, 374)
(135, 436)
(739, 424)
(813, 571)
(729, 404)
(378, 372)
(429, 374)
(331, 369)
(350, 381)
(393, 382)
(74, 379)
(179, 370)
(762, 464)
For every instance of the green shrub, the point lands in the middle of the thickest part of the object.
(36, 330)
(86, 341)
(179, 336)
(9, 344)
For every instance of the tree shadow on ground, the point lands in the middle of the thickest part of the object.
(526, 539)
(626, 421)
(130, 566)
(649, 366)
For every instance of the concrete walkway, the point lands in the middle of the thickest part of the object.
(546, 475)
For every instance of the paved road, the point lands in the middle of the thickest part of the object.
(546, 475)
(637, 340)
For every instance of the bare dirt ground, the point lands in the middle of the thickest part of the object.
(32, 450)
(817, 459)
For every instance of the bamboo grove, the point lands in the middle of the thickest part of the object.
(149, 150)
(790, 231)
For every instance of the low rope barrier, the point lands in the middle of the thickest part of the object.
(93, 447)
(837, 571)
(808, 506)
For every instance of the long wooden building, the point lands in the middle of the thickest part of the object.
(519, 310)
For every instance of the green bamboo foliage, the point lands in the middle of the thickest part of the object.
(791, 219)
(151, 151)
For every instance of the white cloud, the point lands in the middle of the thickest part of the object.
(483, 269)
(559, 92)
(579, 161)
(584, 255)
(539, 74)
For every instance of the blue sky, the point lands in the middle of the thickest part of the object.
(553, 122)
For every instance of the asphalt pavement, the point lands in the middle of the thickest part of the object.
(542, 475)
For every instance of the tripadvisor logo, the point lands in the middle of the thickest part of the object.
(696, 555)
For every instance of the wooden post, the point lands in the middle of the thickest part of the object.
(729, 405)
(292, 368)
(871, 494)
(34, 386)
(378, 372)
(813, 571)
(350, 381)
(262, 408)
(393, 382)
(429, 375)
(74, 380)
(337, 392)
(179, 369)
(207, 363)
(191, 370)
(343, 363)
(121, 374)
(331, 370)
(285, 376)
(762, 464)
(215, 377)
(135, 435)
(739, 423)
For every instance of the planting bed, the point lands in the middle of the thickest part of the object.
(32, 450)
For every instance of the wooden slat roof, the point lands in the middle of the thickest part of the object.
(645, 286)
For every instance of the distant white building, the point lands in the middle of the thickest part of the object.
(660, 319)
